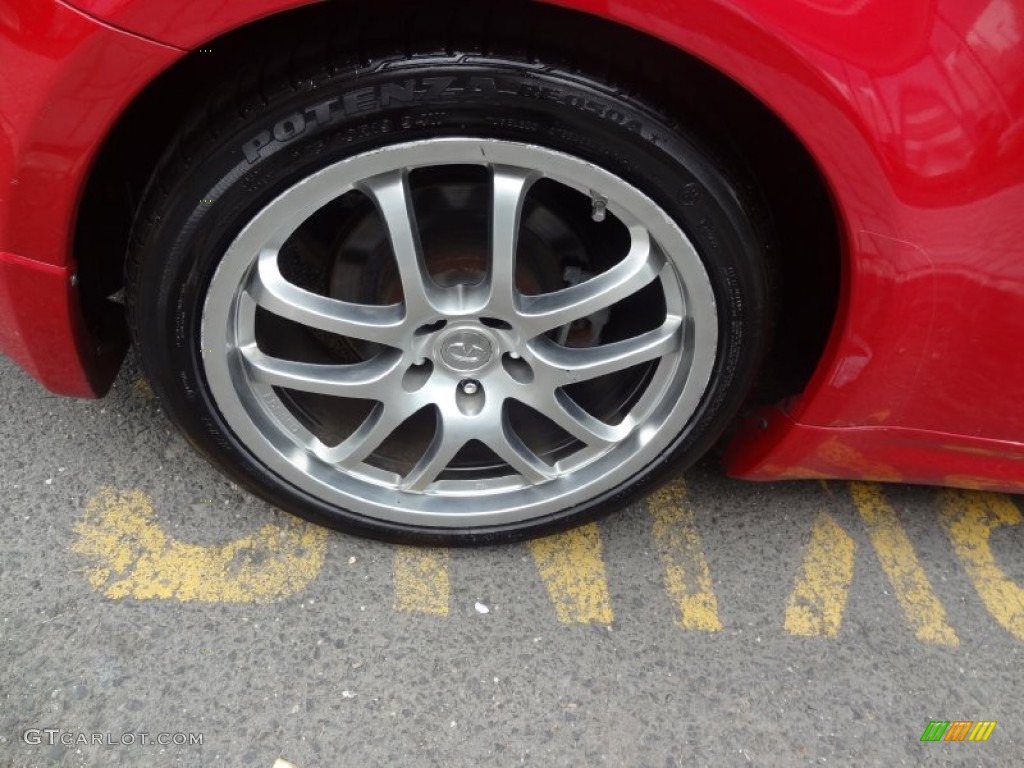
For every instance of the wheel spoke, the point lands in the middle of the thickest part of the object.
(274, 293)
(375, 429)
(439, 453)
(567, 414)
(390, 193)
(366, 380)
(509, 186)
(641, 265)
(566, 365)
(508, 447)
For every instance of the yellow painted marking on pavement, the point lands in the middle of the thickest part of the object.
(141, 387)
(815, 607)
(421, 580)
(687, 577)
(969, 518)
(572, 569)
(914, 591)
(132, 556)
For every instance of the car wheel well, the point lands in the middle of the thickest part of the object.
(807, 252)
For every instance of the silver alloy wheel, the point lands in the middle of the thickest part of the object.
(436, 352)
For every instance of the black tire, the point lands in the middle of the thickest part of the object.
(227, 167)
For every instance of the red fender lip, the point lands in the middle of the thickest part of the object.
(769, 445)
(42, 329)
(65, 79)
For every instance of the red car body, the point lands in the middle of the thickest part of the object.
(912, 110)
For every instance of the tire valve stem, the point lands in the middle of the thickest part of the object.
(599, 206)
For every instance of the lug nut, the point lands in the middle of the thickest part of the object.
(514, 355)
(420, 361)
(470, 387)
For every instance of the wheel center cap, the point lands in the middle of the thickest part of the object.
(466, 350)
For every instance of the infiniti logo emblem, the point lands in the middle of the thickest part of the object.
(466, 350)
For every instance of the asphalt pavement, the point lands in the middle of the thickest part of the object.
(152, 614)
